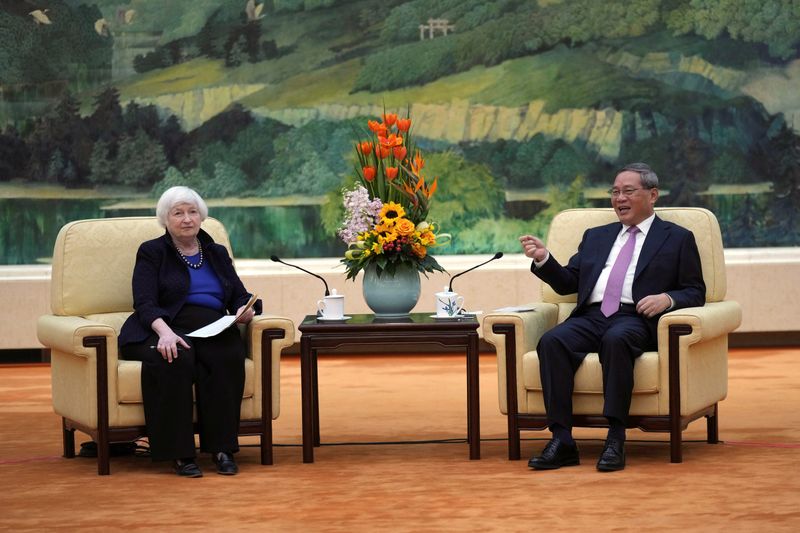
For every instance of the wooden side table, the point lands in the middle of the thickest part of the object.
(368, 330)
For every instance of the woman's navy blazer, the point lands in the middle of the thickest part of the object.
(161, 284)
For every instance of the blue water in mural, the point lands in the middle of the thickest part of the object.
(28, 228)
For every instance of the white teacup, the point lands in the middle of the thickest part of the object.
(331, 307)
(448, 303)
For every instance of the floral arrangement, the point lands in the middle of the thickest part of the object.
(385, 214)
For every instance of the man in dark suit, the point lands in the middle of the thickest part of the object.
(626, 274)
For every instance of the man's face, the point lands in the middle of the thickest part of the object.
(634, 203)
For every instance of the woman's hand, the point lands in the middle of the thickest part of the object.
(169, 342)
(247, 316)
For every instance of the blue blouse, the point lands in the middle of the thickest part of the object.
(205, 288)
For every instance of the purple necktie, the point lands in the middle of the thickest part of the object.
(613, 293)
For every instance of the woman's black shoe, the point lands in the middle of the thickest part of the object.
(225, 463)
(187, 468)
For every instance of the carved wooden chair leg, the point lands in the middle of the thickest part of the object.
(712, 426)
(68, 436)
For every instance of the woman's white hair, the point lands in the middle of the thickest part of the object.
(179, 195)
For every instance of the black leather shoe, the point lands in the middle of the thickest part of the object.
(187, 468)
(613, 456)
(556, 454)
(225, 464)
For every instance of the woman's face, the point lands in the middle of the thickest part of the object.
(183, 221)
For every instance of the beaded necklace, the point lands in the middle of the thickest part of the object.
(186, 259)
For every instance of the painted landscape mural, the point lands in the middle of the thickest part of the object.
(523, 108)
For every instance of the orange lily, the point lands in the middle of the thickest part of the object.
(389, 118)
(374, 125)
(382, 151)
(391, 173)
(400, 152)
(403, 124)
(391, 141)
(369, 173)
(366, 147)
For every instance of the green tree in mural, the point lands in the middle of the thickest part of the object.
(67, 49)
(772, 22)
(520, 29)
(14, 154)
(206, 38)
(59, 145)
(686, 167)
(466, 193)
(235, 50)
(144, 118)
(780, 159)
(66, 137)
(102, 166)
(228, 180)
(172, 138)
(153, 60)
(746, 225)
(140, 161)
(312, 159)
(252, 37)
(106, 121)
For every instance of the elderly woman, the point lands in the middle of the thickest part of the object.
(182, 281)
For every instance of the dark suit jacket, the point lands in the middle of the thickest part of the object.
(669, 262)
(161, 284)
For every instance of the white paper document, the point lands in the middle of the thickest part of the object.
(218, 326)
(516, 309)
(215, 328)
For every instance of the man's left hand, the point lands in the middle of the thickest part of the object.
(653, 305)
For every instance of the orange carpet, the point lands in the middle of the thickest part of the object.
(750, 482)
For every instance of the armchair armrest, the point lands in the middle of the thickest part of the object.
(267, 336)
(261, 323)
(708, 322)
(66, 334)
(527, 327)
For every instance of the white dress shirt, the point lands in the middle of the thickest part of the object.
(596, 295)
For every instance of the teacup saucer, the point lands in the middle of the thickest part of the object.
(339, 319)
(454, 317)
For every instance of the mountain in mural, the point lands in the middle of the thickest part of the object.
(536, 101)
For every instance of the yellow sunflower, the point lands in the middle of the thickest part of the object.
(390, 212)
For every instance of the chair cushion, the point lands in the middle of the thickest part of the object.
(589, 377)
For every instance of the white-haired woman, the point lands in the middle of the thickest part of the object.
(183, 280)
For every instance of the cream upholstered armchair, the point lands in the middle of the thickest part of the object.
(679, 383)
(96, 392)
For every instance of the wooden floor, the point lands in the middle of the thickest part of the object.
(749, 482)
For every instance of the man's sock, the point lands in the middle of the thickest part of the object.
(616, 429)
(562, 433)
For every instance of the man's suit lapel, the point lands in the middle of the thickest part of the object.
(603, 244)
(656, 237)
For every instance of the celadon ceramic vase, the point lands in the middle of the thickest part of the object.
(391, 296)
